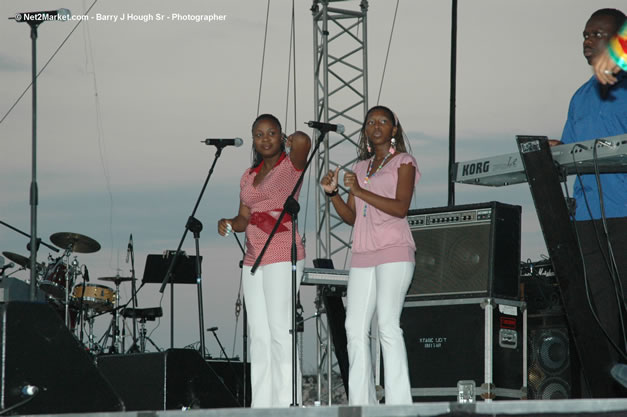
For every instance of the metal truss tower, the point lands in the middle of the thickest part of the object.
(340, 97)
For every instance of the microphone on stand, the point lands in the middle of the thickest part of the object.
(237, 142)
(129, 248)
(38, 17)
(86, 273)
(326, 127)
(7, 266)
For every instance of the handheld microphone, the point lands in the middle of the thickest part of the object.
(237, 142)
(326, 127)
(129, 248)
(38, 17)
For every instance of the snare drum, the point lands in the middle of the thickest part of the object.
(97, 297)
(54, 282)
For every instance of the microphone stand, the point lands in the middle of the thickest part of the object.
(133, 293)
(292, 207)
(230, 364)
(33, 185)
(195, 226)
(34, 194)
(39, 241)
(244, 329)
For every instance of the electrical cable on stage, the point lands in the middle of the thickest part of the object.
(387, 54)
(46, 64)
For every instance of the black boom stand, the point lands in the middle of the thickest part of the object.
(195, 226)
(291, 207)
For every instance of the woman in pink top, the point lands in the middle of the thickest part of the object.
(263, 190)
(383, 253)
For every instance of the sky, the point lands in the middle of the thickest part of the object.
(124, 105)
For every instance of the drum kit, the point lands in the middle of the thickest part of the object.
(78, 303)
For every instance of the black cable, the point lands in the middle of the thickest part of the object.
(289, 70)
(263, 57)
(239, 243)
(612, 265)
(19, 404)
(583, 262)
(387, 54)
(294, 61)
(48, 62)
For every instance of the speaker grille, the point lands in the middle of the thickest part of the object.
(466, 251)
(549, 363)
(451, 260)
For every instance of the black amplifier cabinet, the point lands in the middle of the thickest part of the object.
(466, 251)
(469, 339)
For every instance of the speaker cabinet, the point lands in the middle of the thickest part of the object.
(549, 368)
(174, 379)
(466, 251)
(39, 351)
(232, 374)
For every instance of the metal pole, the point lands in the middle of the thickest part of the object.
(33, 185)
(451, 123)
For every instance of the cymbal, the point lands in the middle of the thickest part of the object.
(116, 279)
(18, 259)
(75, 242)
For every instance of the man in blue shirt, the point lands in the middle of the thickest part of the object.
(598, 111)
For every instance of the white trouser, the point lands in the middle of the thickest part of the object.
(268, 297)
(381, 288)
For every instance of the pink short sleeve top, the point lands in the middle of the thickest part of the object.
(266, 202)
(379, 237)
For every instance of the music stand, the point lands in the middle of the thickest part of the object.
(183, 272)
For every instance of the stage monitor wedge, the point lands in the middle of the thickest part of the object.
(466, 251)
(40, 354)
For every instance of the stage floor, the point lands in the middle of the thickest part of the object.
(601, 407)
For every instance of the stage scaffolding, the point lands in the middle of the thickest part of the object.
(340, 97)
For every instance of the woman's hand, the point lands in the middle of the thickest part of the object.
(352, 183)
(329, 182)
(225, 227)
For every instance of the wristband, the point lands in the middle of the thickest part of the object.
(332, 193)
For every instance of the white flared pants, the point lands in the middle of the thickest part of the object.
(268, 297)
(382, 289)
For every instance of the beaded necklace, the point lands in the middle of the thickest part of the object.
(370, 174)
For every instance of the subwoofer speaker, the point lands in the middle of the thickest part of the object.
(169, 380)
(549, 368)
(466, 251)
(40, 356)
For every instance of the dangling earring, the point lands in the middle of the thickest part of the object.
(392, 146)
(368, 146)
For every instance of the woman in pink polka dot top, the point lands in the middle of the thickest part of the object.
(381, 186)
(264, 188)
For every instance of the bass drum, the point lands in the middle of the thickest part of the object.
(54, 280)
(59, 308)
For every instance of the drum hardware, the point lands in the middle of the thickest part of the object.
(143, 314)
(71, 243)
(116, 340)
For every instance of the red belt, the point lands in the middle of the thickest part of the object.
(265, 221)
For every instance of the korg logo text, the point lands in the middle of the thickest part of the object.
(476, 168)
